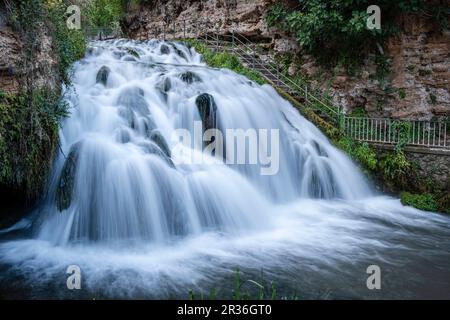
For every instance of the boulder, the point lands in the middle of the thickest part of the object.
(164, 86)
(164, 49)
(207, 109)
(67, 179)
(189, 77)
(102, 75)
(159, 140)
(133, 53)
(179, 52)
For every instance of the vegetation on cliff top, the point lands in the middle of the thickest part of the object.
(226, 60)
(335, 31)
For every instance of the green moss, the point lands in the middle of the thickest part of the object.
(395, 166)
(226, 60)
(358, 112)
(420, 201)
(401, 93)
(70, 44)
(433, 98)
(360, 152)
(29, 135)
(425, 72)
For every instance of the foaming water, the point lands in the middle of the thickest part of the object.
(141, 225)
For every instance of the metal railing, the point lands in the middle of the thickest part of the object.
(428, 134)
(248, 54)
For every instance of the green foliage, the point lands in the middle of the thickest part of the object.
(70, 44)
(401, 93)
(359, 151)
(358, 112)
(104, 14)
(401, 129)
(395, 166)
(440, 14)
(433, 98)
(241, 290)
(29, 119)
(336, 30)
(420, 201)
(28, 131)
(226, 60)
(383, 68)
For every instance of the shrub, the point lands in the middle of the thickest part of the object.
(104, 13)
(226, 60)
(361, 152)
(366, 156)
(336, 30)
(395, 166)
(70, 44)
(420, 201)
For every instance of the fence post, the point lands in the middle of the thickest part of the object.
(184, 28)
(164, 31)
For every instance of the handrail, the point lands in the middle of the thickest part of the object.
(289, 82)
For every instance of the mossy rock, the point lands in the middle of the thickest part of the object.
(152, 148)
(164, 49)
(159, 140)
(179, 52)
(133, 52)
(207, 109)
(102, 75)
(67, 179)
(164, 86)
(189, 77)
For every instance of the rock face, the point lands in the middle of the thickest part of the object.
(10, 54)
(417, 86)
(44, 66)
(186, 17)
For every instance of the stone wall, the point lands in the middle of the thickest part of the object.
(433, 169)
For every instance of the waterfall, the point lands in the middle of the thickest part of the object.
(116, 181)
(122, 198)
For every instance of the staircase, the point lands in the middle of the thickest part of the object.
(251, 57)
(430, 135)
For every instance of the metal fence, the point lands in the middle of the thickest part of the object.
(431, 134)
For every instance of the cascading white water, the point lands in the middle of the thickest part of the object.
(119, 200)
(126, 187)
